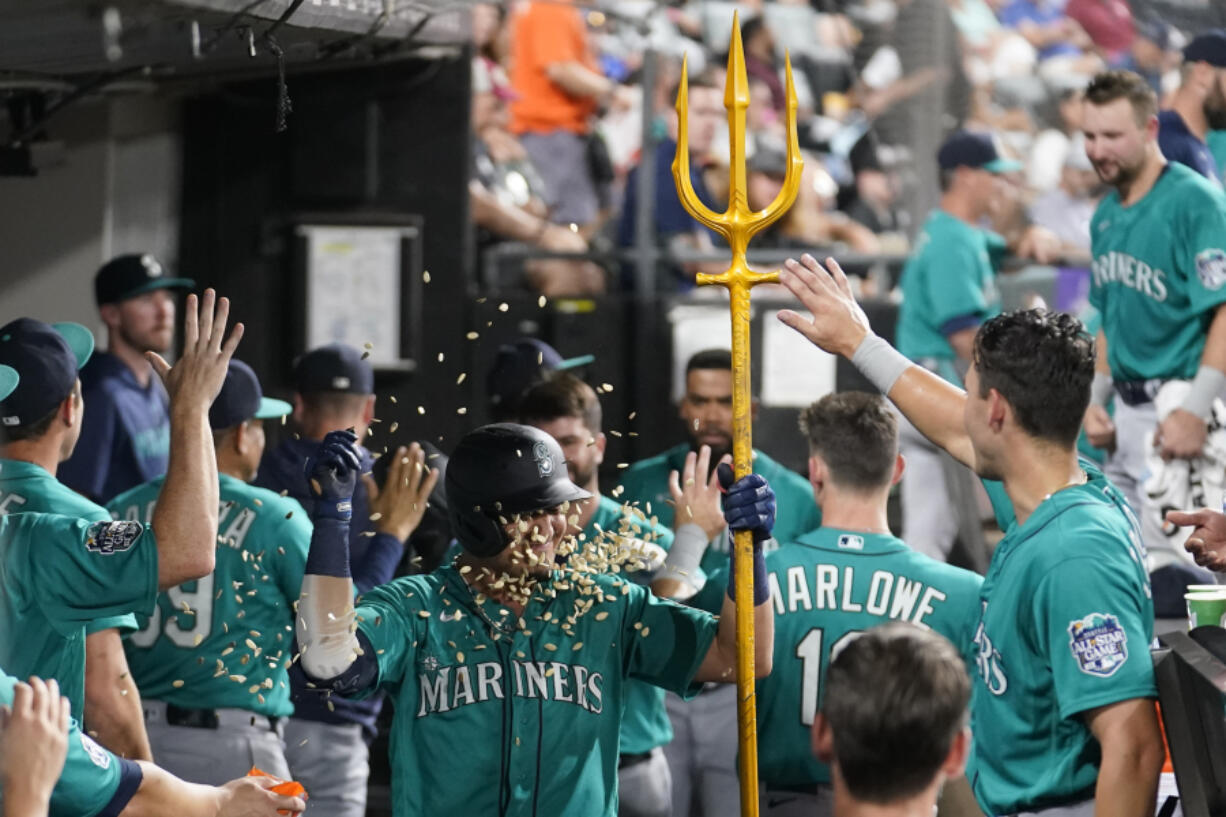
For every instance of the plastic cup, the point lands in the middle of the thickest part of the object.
(1206, 607)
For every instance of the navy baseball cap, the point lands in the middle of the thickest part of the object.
(978, 150)
(1209, 47)
(241, 399)
(521, 365)
(46, 357)
(127, 276)
(336, 367)
(8, 381)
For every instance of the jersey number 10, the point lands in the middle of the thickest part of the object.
(809, 651)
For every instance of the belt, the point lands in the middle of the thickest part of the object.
(800, 788)
(1138, 392)
(207, 718)
(625, 761)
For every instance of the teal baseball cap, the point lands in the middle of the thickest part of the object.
(8, 381)
(241, 399)
(47, 357)
(977, 150)
(126, 276)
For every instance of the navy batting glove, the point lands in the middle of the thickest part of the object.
(332, 474)
(749, 503)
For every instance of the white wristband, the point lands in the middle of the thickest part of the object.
(327, 641)
(1207, 385)
(880, 362)
(1100, 389)
(689, 544)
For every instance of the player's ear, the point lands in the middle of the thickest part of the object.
(368, 412)
(900, 466)
(822, 739)
(299, 409)
(818, 472)
(999, 410)
(955, 761)
(110, 315)
(601, 442)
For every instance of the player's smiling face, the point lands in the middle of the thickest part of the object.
(534, 542)
(1116, 143)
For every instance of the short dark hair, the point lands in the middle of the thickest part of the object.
(1108, 86)
(896, 698)
(856, 434)
(710, 359)
(332, 403)
(1042, 363)
(561, 395)
(695, 81)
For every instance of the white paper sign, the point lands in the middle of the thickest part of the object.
(353, 289)
(696, 327)
(795, 372)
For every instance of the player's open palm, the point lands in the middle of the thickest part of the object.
(252, 797)
(397, 508)
(196, 377)
(1207, 542)
(838, 323)
(33, 745)
(696, 493)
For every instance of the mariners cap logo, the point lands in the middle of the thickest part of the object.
(544, 462)
(340, 382)
(152, 268)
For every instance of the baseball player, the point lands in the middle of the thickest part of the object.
(42, 423)
(96, 783)
(1063, 708)
(60, 573)
(702, 754)
(568, 409)
(893, 723)
(839, 580)
(1158, 289)
(511, 670)
(326, 739)
(1198, 106)
(949, 288)
(125, 435)
(211, 661)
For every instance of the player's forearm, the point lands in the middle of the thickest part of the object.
(113, 713)
(185, 517)
(1128, 781)
(934, 406)
(721, 662)
(161, 794)
(1101, 366)
(1210, 379)
(324, 626)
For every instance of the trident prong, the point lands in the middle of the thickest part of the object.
(738, 224)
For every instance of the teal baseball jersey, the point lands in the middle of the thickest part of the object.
(1065, 626)
(827, 587)
(645, 723)
(948, 284)
(1158, 273)
(646, 483)
(527, 706)
(225, 640)
(1216, 140)
(59, 573)
(94, 781)
(29, 488)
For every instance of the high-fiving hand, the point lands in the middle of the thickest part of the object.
(401, 502)
(696, 494)
(838, 323)
(196, 377)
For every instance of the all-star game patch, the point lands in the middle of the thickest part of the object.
(1099, 644)
(112, 537)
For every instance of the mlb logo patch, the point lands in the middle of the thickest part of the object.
(1211, 268)
(112, 537)
(1099, 644)
(849, 541)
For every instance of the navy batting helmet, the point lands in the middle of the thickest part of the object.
(501, 470)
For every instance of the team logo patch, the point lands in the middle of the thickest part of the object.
(99, 756)
(428, 663)
(1211, 268)
(152, 268)
(544, 462)
(849, 541)
(112, 537)
(1099, 644)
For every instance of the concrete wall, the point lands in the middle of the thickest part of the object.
(117, 190)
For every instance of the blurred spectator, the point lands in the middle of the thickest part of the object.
(1198, 106)
(760, 61)
(1052, 145)
(1061, 42)
(1150, 48)
(990, 50)
(1108, 24)
(874, 199)
(1068, 209)
(559, 87)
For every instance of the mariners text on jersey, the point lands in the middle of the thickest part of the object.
(443, 690)
(825, 588)
(1122, 268)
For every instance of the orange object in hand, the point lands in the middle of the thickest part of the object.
(289, 788)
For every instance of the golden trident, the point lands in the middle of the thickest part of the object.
(738, 224)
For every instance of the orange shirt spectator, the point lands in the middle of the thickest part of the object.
(544, 33)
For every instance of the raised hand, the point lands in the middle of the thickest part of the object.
(333, 473)
(399, 505)
(697, 499)
(838, 323)
(196, 378)
(749, 503)
(33, 745)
